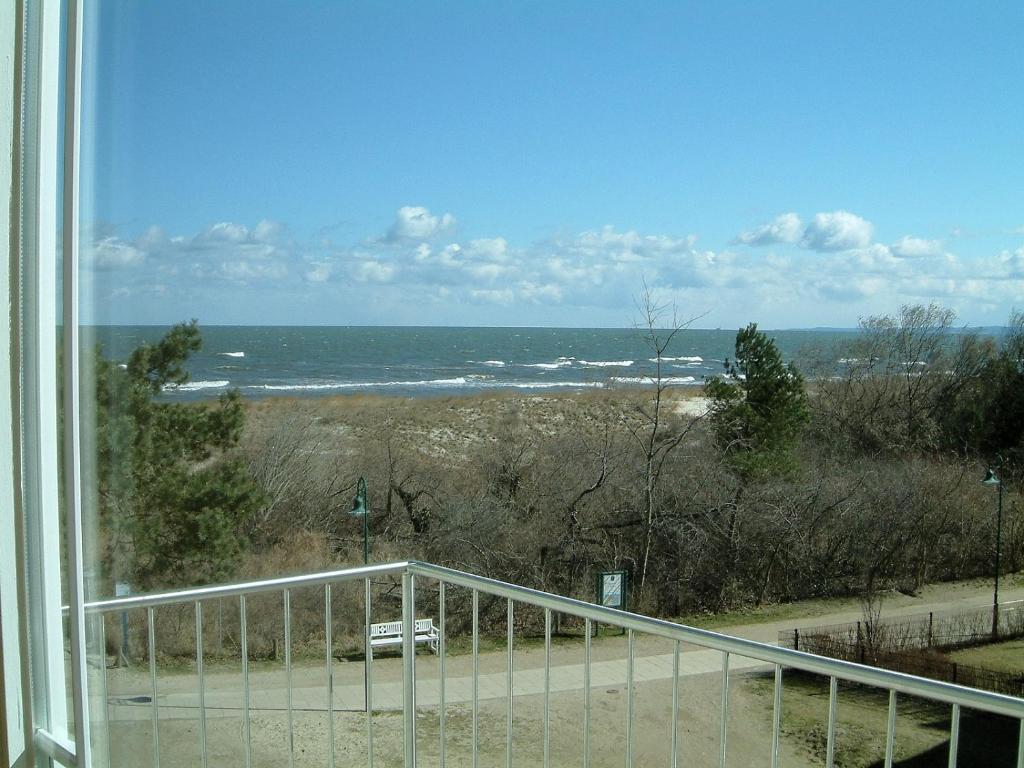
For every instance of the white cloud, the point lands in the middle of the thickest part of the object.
(592, 274)
(493, 249)
(244, 270)
(266, 231)
(318, 273)
(786, 228)
(837, 231)
(113, 252)
(493, 296)
(374, 272)
(908, 247)
(489, 272)
(629, 246)
(414, 222)
(1014, 262)
(540, 294)
(224, 231)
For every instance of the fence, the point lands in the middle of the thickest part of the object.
(914, 644)
(944, 631)
(422, 698)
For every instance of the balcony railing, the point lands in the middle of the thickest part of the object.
(449, 683)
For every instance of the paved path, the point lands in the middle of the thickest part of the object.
(458, 690)
(178, 696)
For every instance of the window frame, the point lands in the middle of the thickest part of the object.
(46, 191)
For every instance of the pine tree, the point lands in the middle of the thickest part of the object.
(759, 408)
(170, 495)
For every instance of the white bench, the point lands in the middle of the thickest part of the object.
(390, 633)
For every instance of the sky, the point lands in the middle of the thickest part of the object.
(538, 163)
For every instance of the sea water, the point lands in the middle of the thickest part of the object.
(264, 361)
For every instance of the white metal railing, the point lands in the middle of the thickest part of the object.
(411, 573)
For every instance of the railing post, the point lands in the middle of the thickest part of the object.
(441, 651)
(409, 668)
(368, 671)
(724, 724)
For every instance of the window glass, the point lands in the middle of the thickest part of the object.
(539, 292)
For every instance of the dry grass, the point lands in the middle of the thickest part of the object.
(450, 428)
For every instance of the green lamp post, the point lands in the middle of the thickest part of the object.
(360, 509)
(992, 479)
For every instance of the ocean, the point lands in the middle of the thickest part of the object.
(267, 361)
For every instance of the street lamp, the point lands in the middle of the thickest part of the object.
(992, 479)
(360, 509)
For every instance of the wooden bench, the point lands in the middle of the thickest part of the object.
(390, 633)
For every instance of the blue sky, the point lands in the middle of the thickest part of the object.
(794, 164)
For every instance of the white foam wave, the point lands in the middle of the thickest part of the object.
(650, 379)
(458, 381)
(192, 386)
(551, 384)
(562, 362)
(606, 363)
(684, 359)
(494, 363)
(232, 354)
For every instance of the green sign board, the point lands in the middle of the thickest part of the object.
(611, 589)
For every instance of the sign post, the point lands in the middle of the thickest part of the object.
(612, 588)
(123, 589)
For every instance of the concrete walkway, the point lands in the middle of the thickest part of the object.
(458, 690)
(178, 695)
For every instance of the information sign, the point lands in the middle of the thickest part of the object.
(611, 589)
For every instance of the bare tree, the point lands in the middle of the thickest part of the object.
(654, 432)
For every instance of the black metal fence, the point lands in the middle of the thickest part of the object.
(915, 645)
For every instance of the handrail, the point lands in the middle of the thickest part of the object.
(935, 690)
(850, 671)
(245, 588)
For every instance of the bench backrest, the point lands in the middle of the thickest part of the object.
(386, 630)
(394, 628)
(424, 626)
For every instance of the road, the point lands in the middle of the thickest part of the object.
(129, 691)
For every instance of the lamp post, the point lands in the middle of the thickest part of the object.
(992, 479)
(360, 509)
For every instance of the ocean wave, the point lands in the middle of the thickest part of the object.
(458, 381)
(606, 363)
(684, 359)
(471, 381)
(193, 386)
(232, 354)
(650, 379)
(689, 366)
(562, 362)
(550, 384)
(494, 363)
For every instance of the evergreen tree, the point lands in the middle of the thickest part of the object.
(171, 496)
(758, 409)
(987, 418)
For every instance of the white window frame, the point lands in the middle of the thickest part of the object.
(39, 616)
